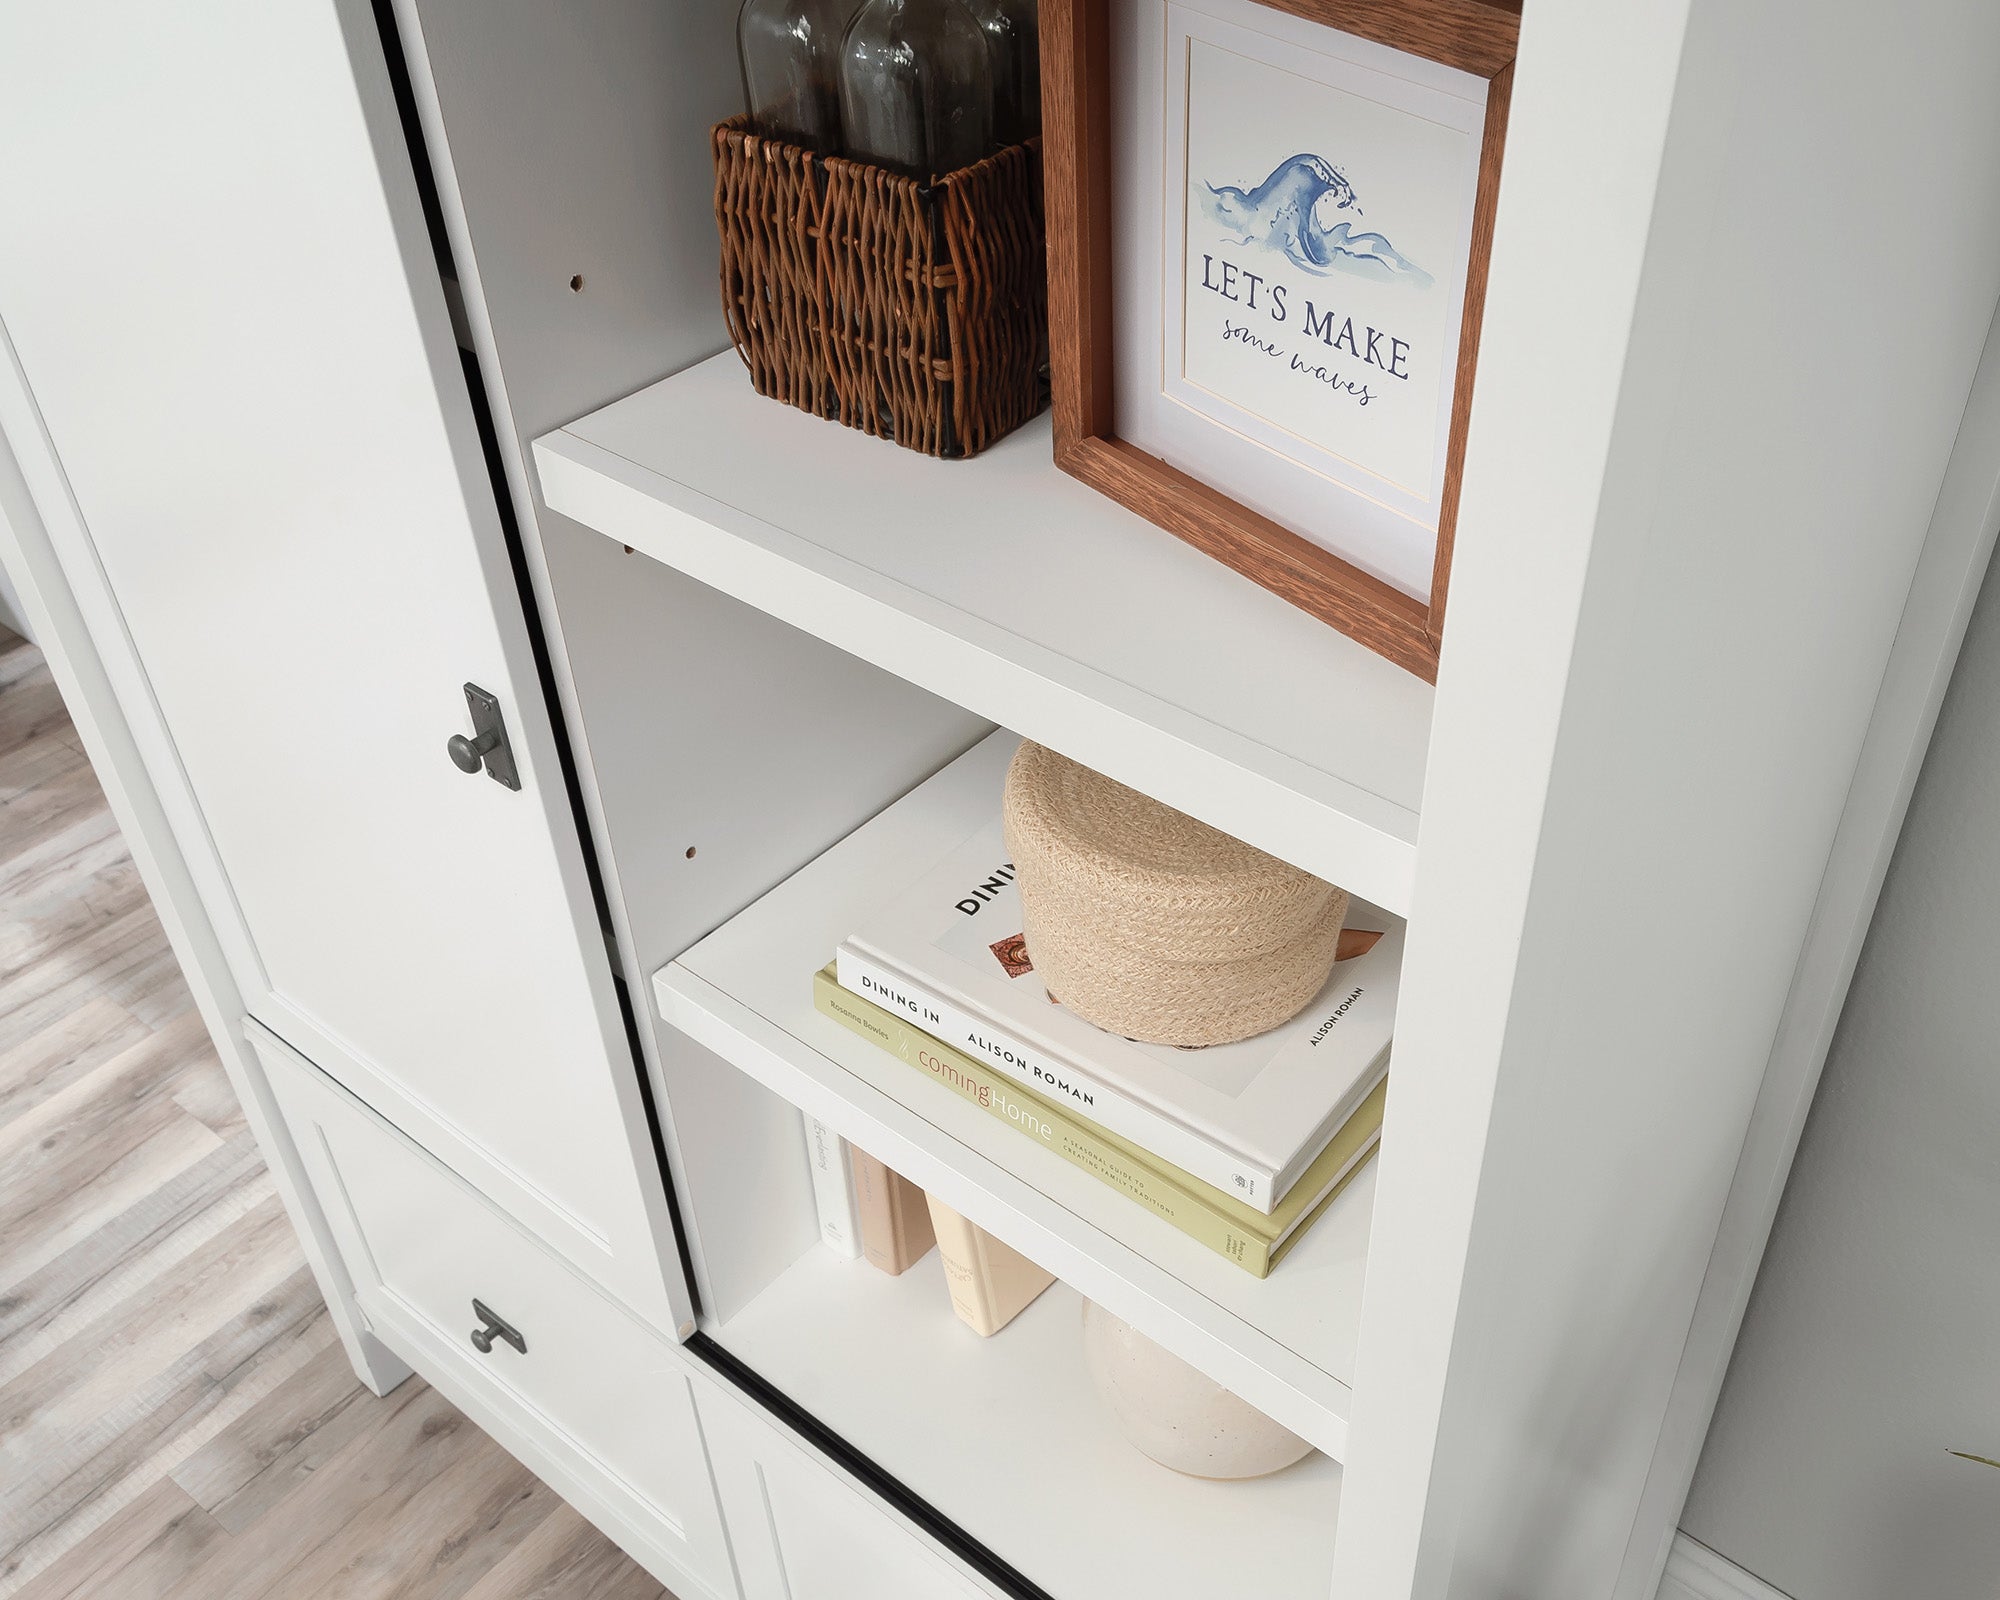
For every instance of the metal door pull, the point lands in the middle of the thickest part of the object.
(488, 745)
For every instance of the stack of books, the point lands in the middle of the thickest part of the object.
(868, 1211)
(1240, 1146)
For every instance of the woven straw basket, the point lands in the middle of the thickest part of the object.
(1153, 925)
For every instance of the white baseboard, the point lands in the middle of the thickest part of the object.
(1695, 1572)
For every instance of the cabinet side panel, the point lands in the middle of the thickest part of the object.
(127, 752)
(1941, 603)
(1866, 1356)
(1671, 619)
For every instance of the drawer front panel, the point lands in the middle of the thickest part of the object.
(600, 1406)
(803, 1532)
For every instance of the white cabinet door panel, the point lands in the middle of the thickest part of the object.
(802, 1532)
(217, 283)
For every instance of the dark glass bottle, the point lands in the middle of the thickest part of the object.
(916, 87)
(790, 54)
(1013, 39)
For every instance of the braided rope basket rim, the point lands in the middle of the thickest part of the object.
(1151, 924)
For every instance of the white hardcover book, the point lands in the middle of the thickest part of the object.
(833, 1189)
(1247, 1117)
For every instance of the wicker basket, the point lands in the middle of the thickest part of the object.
(911, 311)
(1153, 925)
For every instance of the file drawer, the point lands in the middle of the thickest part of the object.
(597, 1404)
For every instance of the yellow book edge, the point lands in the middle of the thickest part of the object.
(1211, 1218)
(990, 1282)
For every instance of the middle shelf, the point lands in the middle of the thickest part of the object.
(1284, 1343)
(1004, 585)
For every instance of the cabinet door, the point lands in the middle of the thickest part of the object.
(802, 1532)
(224, 310)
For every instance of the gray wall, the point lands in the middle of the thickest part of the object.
(1872, 1345)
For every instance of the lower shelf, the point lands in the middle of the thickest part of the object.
(1007, 1437)
(1285, 1343)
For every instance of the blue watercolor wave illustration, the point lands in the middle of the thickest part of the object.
(1292, 213)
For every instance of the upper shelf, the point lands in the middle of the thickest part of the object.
(1006, 586)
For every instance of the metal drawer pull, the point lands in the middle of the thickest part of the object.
(495, 1328)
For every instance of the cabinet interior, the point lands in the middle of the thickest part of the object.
(721, 750)
(1005, 1436)
(729, 750)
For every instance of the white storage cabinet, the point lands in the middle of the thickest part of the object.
(357, 354)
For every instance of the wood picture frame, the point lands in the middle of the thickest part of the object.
(1477, 37)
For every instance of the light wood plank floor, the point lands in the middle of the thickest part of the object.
(177, 1421)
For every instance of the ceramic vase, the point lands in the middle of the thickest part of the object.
(1182, 1418)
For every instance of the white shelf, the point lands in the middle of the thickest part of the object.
(1013, 590)
(1285, 1343)
(1007, 1437)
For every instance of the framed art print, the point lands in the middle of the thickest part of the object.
(1268, 229)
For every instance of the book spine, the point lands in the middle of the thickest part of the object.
(1085, 1097)
(1047, 1124)
(991, 1283)
(894, 1223)
(833, 1190)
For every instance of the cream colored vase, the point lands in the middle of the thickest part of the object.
(1176, 1415)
